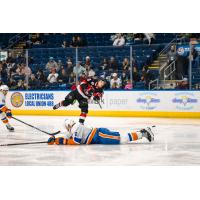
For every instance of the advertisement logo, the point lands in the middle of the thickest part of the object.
(17, 99)
(185, 101)
(148, 101)
(118, 102)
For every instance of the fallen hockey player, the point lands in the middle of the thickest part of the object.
(5, 113)
(75, 134)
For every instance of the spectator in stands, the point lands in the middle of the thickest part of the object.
(104, 65)
(60, 65)
(10, 58)
(3, 73)
(171, 55)
(113, 65)
(138, 36)
(11, 66)
(129, 85)
(113, 37)
(72, 79)
(78, 70)
(51, 64)
(69, 67)
(124, 78)
(20, 58)
(136, 77)
(182, 63)
(126, 65)
(74, 42)
(146, 76)
(80, 42)
(12, 84)
(87, 62)
(150, 37)
(119, 41)
(40, 76)
(53, 76)
(19, 69)
(4, 64)
(33, 83)
(26, 72)
(183, 85)
(194, 57)
(63, 78)
(129, 38)
(64, 44)
(21, 85)
(115, 82)
(36, 39)
(89, 71)
(23, 71)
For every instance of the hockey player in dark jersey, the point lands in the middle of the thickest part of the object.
(84, 91)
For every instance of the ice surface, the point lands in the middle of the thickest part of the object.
(177, 142)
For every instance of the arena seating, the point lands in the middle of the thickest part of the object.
(95, 39)
(99, 46)
(143, 55)
(4, 39)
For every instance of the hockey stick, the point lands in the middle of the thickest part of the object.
(36, 127)
(24, 143)
(99, 104)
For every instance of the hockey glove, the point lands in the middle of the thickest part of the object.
(96, 98)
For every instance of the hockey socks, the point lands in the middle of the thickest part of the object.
(8, 126)
(82, 117)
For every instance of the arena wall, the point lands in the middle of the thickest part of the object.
(114, 103)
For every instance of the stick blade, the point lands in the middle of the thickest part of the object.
(54, 133)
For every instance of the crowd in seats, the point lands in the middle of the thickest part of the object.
(52, 61)
(62, 75)
(132, 38)
(56, 40)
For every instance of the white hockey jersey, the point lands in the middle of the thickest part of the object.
(2, 100)
(79, 133)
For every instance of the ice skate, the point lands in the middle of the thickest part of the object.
(10, 128)
(58, 105)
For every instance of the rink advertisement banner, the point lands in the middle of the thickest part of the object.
(139, 101)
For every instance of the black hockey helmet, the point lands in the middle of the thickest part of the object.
(104, 80)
